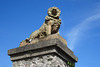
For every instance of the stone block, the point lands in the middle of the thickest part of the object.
(46, 53)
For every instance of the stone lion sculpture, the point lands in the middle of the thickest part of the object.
(49, 27)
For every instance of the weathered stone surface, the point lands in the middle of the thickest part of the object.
(46, 38)
(41, 61)
(40, 54)
(43, 47)
(49, 38)
(50, 26)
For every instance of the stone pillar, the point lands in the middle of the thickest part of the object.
(47, 53)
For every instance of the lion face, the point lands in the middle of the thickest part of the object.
(54, 12)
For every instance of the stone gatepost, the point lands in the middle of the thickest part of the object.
(45, 47)
(52, 52)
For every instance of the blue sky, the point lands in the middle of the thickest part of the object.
(80, 26)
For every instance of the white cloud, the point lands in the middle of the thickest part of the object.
(75, 33)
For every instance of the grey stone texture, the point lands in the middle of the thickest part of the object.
(46, 53)
(41, 61)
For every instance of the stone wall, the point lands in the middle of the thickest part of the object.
(41, 61)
